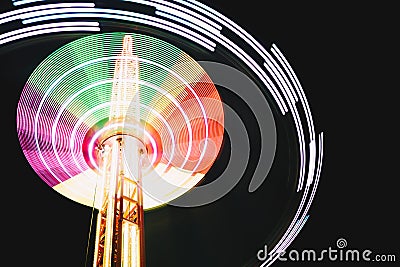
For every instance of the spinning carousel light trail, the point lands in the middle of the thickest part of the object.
(177, 17)
(63, 107)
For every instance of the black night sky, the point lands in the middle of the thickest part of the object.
(341, 54)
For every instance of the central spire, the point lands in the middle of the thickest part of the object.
(125, 97)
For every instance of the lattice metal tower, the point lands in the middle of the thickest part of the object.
(120, 228)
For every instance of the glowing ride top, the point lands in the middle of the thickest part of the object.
(65, 105)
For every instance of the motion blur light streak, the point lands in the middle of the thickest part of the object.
(23, 2)
(131, 17)
(290, 100)
(21, 34)
(292, 232)
(189, 20)
(14, 15)
(65, 103)
(52, 30)
(50, 25)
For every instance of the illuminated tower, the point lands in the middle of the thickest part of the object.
(119, 236)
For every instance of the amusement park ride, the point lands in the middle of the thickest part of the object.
(115, 161)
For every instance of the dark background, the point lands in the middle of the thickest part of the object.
(343, 55)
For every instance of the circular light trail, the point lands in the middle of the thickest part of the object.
(66, 101)
(201, 25)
